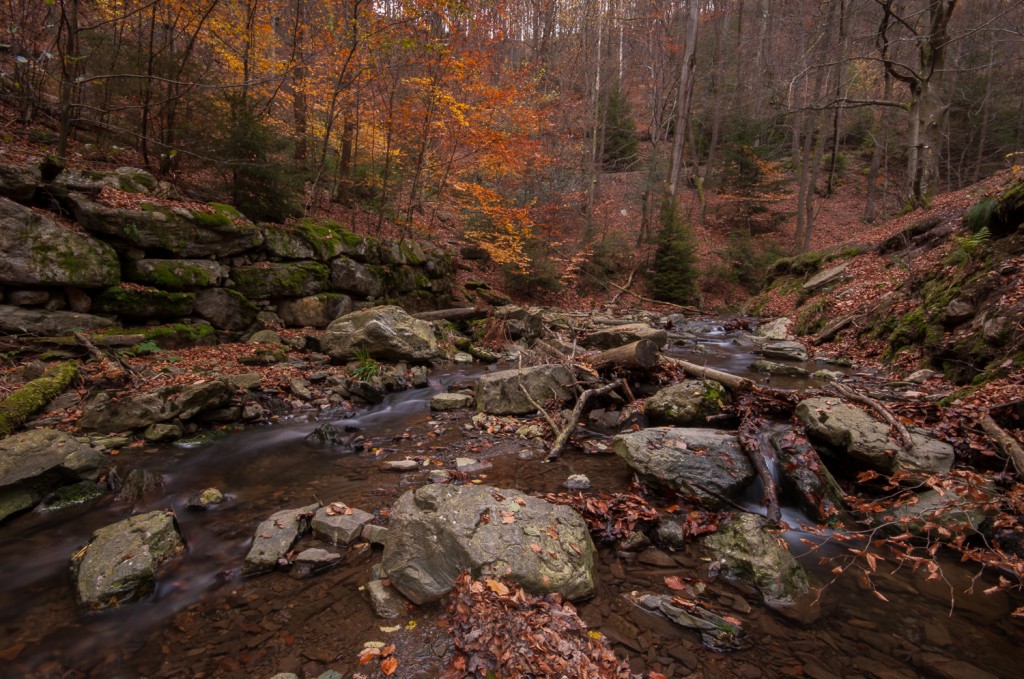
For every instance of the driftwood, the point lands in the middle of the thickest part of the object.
(640, 355)
(582, 403)
(727, 380)
(749, 441)
(882, 411)
(452, 315)
(1006, 443)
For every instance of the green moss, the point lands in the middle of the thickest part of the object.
(72, 496)
(31, 398)
(145, 303)
(210, 220)
(175, 276)
(292, 279)
(229, 211)
(979, 215)
(813, 316)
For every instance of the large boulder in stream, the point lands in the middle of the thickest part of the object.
(36, 462)
(850, 431)
(383, 332)
(689, 402)
(703, 463)
(439, 531)
(748, 551)
(785, 351)
(499, 393)
(120, 563)
(619, 335)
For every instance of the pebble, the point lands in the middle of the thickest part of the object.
(405, 465)
(577, 482)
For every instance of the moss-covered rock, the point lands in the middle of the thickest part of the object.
(286, 279)
(225, 309)
(170, 230)
(689, 402)
(30, 399)
(175, 275)
(316, 311)
(144, 304)
(39, 251)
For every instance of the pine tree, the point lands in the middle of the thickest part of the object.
(620, 138)
(675, 260)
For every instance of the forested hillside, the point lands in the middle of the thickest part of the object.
(504, 123)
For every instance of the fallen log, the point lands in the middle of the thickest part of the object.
(582, 407)
(640, 355)
(452, 315)
(1006, 443)
(31, 398)
(729, 381)
(833, 329)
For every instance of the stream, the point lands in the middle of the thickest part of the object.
(205, 620)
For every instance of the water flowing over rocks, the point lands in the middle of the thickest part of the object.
(751, 553)
(704, 463)
(438, 531)
(848, 430)
(121, 561)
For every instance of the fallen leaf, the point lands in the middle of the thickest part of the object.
(497, 587)
(673, 582)
(388, 666)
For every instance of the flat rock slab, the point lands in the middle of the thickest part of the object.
(312, 561)
(275, 536)
(777, 329)
(619, 335)
(42, 322)
(781, 369)
(120, 562)
(785, 351)
(848, 430)
(704, 463)
(450, 401)
(439, 531)
(339, 524)
(826, 277)
(37, 451)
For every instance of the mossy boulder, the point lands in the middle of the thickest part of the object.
(39, 251)
(144, 303)
(543, 547)
(384, 332)
(121, 561)
(285, 279)
(169, 230)
(689, 402)
(175, 275)
(365, 281)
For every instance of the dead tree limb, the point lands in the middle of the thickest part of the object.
(833, 329)
(582, 403)
(640, 355)
(110, 362)
(539, 407)
(733, 382)
(882, 411)
(751, 444)
(629, 282)
(1006, 443)
(452, 315)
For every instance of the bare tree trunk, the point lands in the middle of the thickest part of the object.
(685, 88)
(68, 73)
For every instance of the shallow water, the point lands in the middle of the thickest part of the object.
(204, 620)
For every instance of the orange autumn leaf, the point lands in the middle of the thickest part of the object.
(497, 587)
(388, 666)
(673, 582)
(388, 650)
(368, 654)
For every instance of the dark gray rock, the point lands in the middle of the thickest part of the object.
(751, 553)
(225, 309)
(121, 561)
(386, 601)
(136, 485)
(39, 251)
(384, 332)
(313, 562)
(436, 533)
(498, 393)
(316, 311)
(361, 280)
(136, 411)
(18, 321)
(773, 368)
(176, 275)
(275, 537)
(848, 430)
(703, 463)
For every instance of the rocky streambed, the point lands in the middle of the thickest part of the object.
(209, 614)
